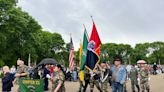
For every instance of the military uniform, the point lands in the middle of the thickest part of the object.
(144, 79)
(86, 79)
(59, 78)
(133, 77)
(95, 80)
(104, 79)
(23, 69)
(81, 86)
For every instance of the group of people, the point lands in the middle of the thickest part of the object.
(56, 75)
(103, 73)
(23, 72)
(116, 75)
(11, 76)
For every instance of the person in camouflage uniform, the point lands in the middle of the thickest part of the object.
(95, 79)
(87, 77)
(104, 76)
(144, 78)
(22, 70)
(58, 80)
(133, 77)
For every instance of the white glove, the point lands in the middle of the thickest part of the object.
(149, 78)
(138, 79)
(48, 76)
(92, 74)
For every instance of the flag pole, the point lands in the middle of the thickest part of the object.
(84, 26)
(92, 19)
(86, 31)
(80, 53)
(29, 60)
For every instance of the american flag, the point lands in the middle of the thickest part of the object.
(71, 56)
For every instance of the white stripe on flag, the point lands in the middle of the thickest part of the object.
(71, 59)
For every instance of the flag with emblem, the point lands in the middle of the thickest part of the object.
(93, 49)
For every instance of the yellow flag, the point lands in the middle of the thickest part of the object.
(80, 53)
(81, 76)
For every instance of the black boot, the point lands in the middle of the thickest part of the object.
(100, 90)
(138, 88)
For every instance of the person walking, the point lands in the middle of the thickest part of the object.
(22, 70)
(104, 76)
(87, 77)
(46, 72)
(58, 80)
(95, 79)
(7, 80)
(155, 69)
(133, 77)
(118, 75)
(144, 77)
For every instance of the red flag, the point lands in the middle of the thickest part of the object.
(95, 37)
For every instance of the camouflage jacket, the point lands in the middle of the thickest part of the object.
(144, 73)
(59, 78)
(23, 69)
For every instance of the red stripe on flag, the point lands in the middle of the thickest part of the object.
(71, 59)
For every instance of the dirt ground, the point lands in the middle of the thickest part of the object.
(156, 85)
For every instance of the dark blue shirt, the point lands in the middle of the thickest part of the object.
(7, 82)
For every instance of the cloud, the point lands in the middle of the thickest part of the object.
(119, 21)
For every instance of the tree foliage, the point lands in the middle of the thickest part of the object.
(151, 52)
(20, 35)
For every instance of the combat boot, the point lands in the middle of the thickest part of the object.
(138, 88)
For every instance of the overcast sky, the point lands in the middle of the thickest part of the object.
(117, 21)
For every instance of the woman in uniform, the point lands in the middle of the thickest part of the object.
(58, 80)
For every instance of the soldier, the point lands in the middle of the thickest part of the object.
(95, 79)
(104, 76)
(58, 80)
(81, 86)
(86, 79)
(22, 70)
(144, 77)
(133, 77)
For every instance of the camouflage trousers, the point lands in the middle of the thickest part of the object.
(81, 86)
(133, 84)
(94, 82)
(145, 86)
(104, 86)
(62, 88)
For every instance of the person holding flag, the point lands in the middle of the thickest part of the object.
(92, 58)
(83, 75)
(92, 65)
(93, 49)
